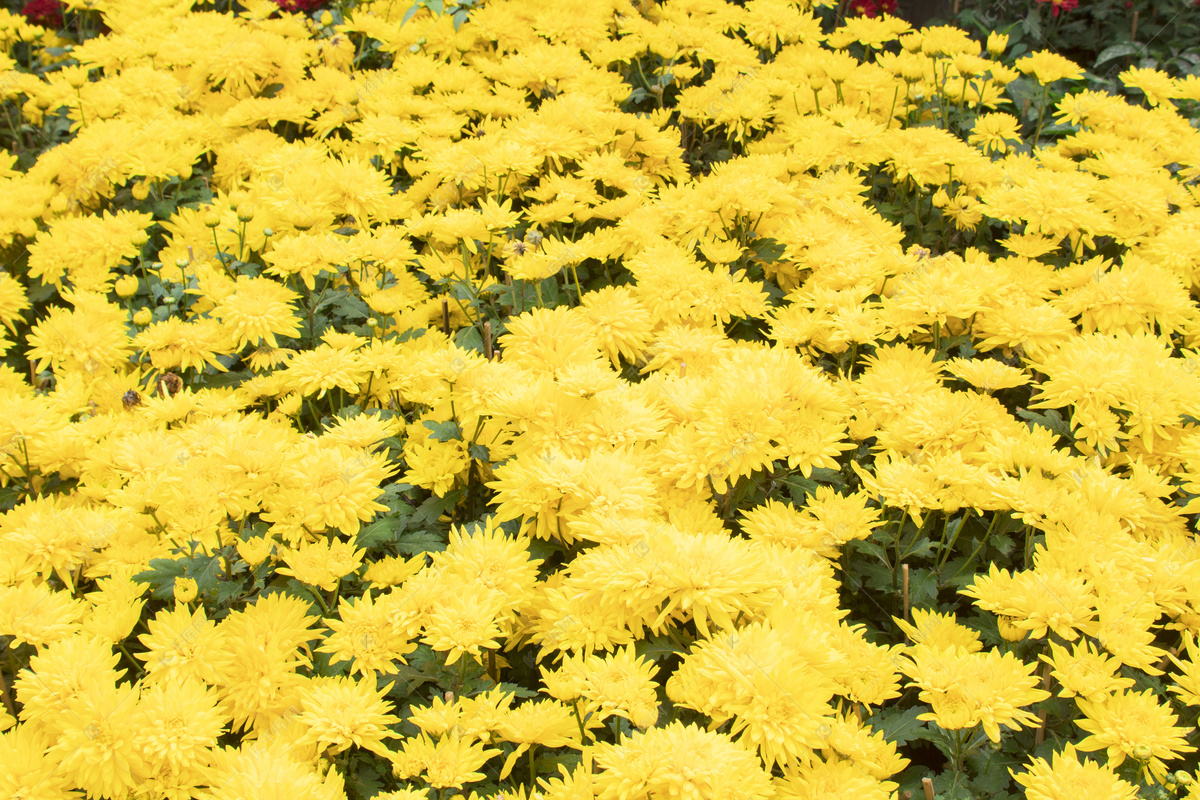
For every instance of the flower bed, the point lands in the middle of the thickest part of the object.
(600, 400)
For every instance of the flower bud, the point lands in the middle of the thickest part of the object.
(142, 317)
(245, 212)
(254, 550)
(1143, 752)
(182, 261)
(212, 219)
(268, 232)
(140, 190)
(326, 18)
(185, 590)
(996, 43)
(126, 286)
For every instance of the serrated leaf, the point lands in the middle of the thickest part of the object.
(479, 452)
(469, 339)
(1051, 420)
(444, 431)
(413, 542)
(380, 532)
(898, 726)
(922, 587)
(161, 577)
(658, 647)
(767, 249)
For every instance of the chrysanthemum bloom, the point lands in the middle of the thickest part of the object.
(1085, 672)
(835, 777)
(449, 762)
(679, 761)
(177, 723)
(546, 723)
(1133, 724)
(466, 622)
(322, 563)
(258, 310)
(366, 635)
(34, 613)
(1066, 777)
(30, 768)
(344, 712)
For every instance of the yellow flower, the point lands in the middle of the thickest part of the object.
(1049, 67)
(31, 769)
(1133, 724)
(1066, 777)
(322, 563)
(258, 310)
(939, 631)
(994, 132)
(342, 712)
(679, 761)
(185, 590)
(449, 762)
(1085, 672)
(547, 723)
(368, 634)
(465, 622)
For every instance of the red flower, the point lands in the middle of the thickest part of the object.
(1061, 5)
(47, 13)
(301, 6)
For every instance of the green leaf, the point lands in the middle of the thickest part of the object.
(469, 339)
(444, 431)
(518, 690)
(799, 488)
(922, 587)
(161, 577)
(900, 727)
(1116, 51)
(479, 452)
(658, 647)
(380, 532)
(767, 249)
(1051, 420)
(409, 14)
(413, 542)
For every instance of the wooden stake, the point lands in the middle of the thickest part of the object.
(927, 785)
(682, 368)
(446, 316)
(904, 570)
(487, 340)
(1133, 27)
(1040, 735)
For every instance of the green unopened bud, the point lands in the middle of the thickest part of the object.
(1143, 752)
(268, 232)
(245, 212)
(212, 219)
(182, 261)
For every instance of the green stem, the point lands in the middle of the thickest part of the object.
(982, 542)
(1041, 115)
(532, 771)
(948, 549)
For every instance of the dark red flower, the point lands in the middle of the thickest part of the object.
(301, 6)
(47, 13)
